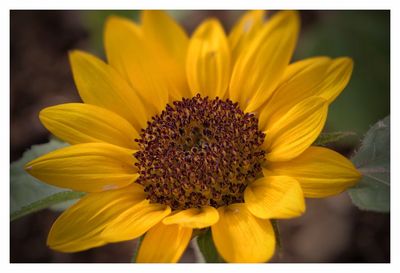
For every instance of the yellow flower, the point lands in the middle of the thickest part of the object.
(179, 133)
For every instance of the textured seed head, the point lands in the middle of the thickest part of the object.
(199, 152)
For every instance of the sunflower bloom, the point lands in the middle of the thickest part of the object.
(178, 133)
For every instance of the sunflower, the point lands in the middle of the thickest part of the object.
(178, 134)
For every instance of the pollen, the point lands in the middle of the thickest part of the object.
(199, 152)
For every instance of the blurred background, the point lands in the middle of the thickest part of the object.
(331, 230)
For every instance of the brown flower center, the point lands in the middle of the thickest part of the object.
(199, 152)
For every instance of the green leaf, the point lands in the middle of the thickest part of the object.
(207, 247)
(46, 202)
(373, 161)
(28, 194)
(327, 138)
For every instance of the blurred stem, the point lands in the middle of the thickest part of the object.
(136, 251)
(207, 247)
(277, 234)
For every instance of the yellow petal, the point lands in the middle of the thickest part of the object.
(295, 131)
(99, 84)
(89, 167)
(81, 123)
(169, 40)
(208, 60)
(242, 238)
(321, 172)
(164, 244)
(194, 218)
(300, 81)
(336, 78)
(319, 76)
(135, 221)
(80, 226)
(161, 29)
(128, 52)
(259, 68)
(275, 197)
(244, 31)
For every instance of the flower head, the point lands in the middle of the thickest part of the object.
(179, 133)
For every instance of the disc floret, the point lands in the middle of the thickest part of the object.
(199, 152)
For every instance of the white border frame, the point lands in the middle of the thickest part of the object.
(7, 5)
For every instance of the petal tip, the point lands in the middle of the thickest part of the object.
(112, 19)
(78, 57)
(45, 114)
(28, 167)
(76, 53)
(294, 14)
(210, 24)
